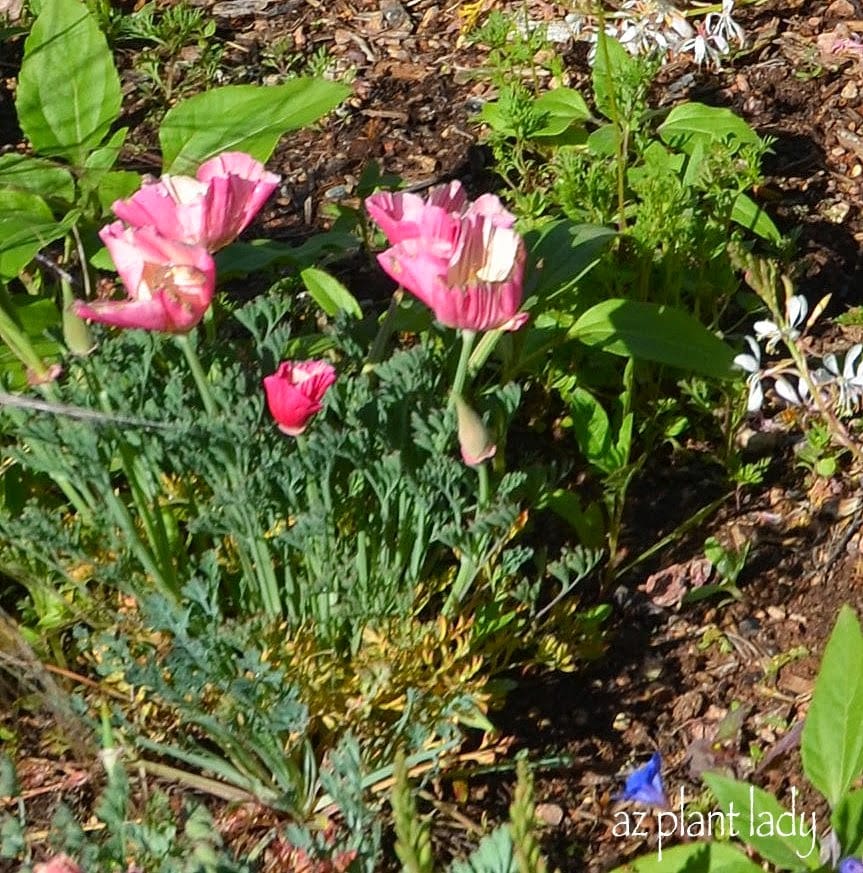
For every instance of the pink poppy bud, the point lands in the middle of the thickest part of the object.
(58, 864)
(295, 391)
(169, 284)
(210, 210)
(474, 440)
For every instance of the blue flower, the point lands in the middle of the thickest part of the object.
(851, 865)
(645, 786)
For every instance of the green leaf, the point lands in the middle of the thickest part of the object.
(773, 831)
(588, 523)
(690, 122)
(750, 215)
(247, 118)
(116, 185)
(329, 293)
(653, 332)
(602, 143)
(847, 821)
(35, 316)
(562, 108)
(832, 742)
(693, 858)
(38, 176)
(68, 89)
(563, 253)
(24, 218)
(593, 430)
(242, 258)
(608, 72)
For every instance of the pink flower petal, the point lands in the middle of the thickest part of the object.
(295, 391)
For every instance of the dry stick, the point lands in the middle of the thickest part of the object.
(79, 412)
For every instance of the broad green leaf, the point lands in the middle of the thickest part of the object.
(652, 332)
(105, 157)
(608, 72)
(23, 233)
(23, 219)
(562, 107)
(588, 523)
(690, 122)
(761, 821)
(242, 258)
(750, 215)
(847, 821)
(693, 858)
(563, 253)
(832, 741)
(247, 118)
(603, 141)
(593, 430)
(116, 185)
(35, 316)
(68, 89)
(38, 176)
(329, 293)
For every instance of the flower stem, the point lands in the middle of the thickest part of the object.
(198, 374)
(482, 496)
(467, 341)
(385, 331)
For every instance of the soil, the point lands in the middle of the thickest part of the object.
(722, 683)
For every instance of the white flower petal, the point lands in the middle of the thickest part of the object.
(851, 359)
(796, 309)
(747, 362)
(831, 364)
(756, 395)
(786, 391)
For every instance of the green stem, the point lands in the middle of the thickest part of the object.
(467, 341)
(622, 130)
(385, 331)
(482, 498)
(198, 374)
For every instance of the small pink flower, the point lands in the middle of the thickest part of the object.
(403, 215)
(58, 864)
(170, 284)
(472, 279)
(295, 391)
(211, 209)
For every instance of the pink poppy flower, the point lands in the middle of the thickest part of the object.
(402, 215)
(58, 864)
(169, 284)
(295, 391)
(472, 279)
(211, 209)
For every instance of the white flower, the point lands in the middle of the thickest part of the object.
(848, 381)
(796, 310)
(798, 396)
(705, 46)
(751, 363)
(723, 25)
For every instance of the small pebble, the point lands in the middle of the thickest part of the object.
(549, 813)
(850, 91)
(748, 627)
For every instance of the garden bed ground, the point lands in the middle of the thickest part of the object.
(673, 678)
